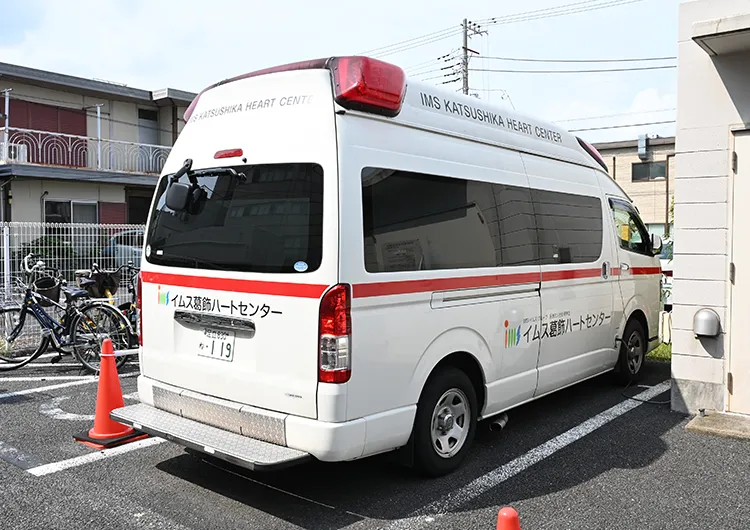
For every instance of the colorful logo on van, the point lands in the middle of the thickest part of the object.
(163, 297)
(512, 336)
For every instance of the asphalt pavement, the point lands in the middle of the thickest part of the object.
(587, 457)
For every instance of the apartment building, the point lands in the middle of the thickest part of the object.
(644, 168)
(75, 150)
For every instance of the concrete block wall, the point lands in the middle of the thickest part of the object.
(707, 108)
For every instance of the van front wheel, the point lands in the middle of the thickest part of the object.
(445, 423)
(632, 353)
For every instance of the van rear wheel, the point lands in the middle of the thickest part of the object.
(632, 353)
(446, 422)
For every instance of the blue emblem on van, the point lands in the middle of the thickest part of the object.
(300, 266)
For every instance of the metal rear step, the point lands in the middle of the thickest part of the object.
(234, 448)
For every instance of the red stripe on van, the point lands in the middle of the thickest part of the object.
(366, 290)
(645, 270)
(572, 274)
(295, 290)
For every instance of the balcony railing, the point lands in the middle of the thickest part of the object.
(25, 146)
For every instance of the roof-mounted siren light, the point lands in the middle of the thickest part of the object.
(591, 150)
(360, 83)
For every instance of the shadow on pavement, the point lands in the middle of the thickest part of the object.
(333, 496)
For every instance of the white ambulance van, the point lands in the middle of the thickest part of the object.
(340, 263)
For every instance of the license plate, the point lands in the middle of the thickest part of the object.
(217, 344)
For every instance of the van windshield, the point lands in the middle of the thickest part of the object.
(271, 222)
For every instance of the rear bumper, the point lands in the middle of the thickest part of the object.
(257, 438)
(233, 448)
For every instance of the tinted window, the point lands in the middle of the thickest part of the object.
(631, 231)
(266, 223)
(569, 227)
(649, 171)
(414, 221)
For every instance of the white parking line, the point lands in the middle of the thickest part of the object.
(54, 467)
(44, 378)
(90, 379)
(486, 482)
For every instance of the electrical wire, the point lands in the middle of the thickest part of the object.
(615, 115)
(625, 60)
(623, 126)
(416, 45)
(569, 9)
(407, 41)
(592, 71)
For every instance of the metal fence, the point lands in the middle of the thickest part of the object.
(27, 146)
(68, 248)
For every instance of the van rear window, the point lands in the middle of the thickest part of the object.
(270, 222)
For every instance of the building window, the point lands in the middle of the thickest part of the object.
(643, 171)
(67, 212)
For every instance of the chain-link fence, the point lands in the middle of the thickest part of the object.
(67, 248)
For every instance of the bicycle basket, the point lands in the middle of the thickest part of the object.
(104, 280)
(48, 287)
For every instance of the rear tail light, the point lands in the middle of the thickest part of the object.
(335, 335)
(368, 85)
(361, 83)
(138, 306)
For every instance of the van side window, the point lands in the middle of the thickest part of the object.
(414, 221)
(631, 232)
(570, 227)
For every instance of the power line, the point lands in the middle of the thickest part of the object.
(622, 126)
(628, 60)
(568, 9)
(407, 41)
(594, 71)
(614, 115)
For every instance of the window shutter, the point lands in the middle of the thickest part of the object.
(113, 213)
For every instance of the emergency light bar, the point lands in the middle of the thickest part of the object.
(360, 83)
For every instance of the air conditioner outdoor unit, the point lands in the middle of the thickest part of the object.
(18, 153)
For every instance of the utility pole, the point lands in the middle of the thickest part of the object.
(6, 115)
(465, 57)
(475, 29)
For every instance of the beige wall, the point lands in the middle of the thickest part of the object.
(713, 98)
(27, 195)
(650, 196)
(119, 118)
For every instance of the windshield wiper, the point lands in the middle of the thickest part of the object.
(188, 259)
(193, 175)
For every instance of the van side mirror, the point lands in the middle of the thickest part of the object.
(178, 196)
(656, 244)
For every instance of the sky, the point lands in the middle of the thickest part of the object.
(187, 45)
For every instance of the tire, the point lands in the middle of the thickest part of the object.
(30, 338)
(439, 409)
(632, 353)
(120, 340)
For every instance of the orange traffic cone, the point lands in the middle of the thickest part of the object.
(507, 519)
(107, 432)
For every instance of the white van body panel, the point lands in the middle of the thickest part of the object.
(522, 330)
(287, 117)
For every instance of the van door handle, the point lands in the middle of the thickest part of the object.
(605, 270)
(625, 266)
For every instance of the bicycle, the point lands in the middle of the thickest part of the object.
(104, 284)
(77, 331)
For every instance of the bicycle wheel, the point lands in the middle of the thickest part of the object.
(94, 323)
(28, 342)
